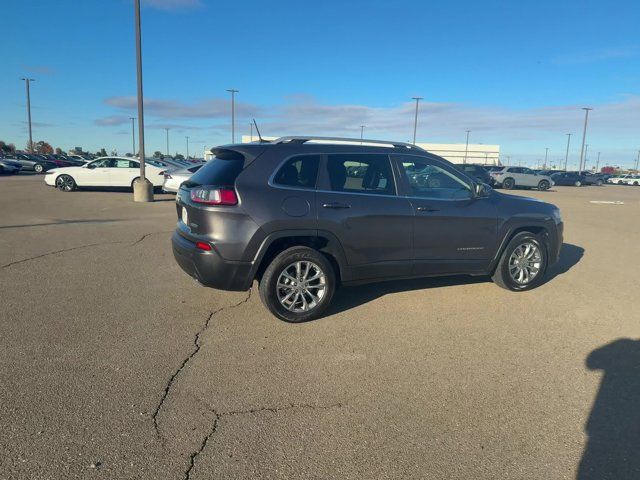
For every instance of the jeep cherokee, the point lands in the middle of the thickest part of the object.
(302, 215)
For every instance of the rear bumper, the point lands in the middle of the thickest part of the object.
(209, 268)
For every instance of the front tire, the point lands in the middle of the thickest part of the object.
(298, 285)
(544, 185)
(599, 183)
(38, 168)
(65, 183)
(578, 183)
(508, 183)
(523, 263)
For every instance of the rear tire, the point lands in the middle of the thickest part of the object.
(544, 185)
(506, 274)
(38, 168)
(599, 183)
(578, 183)
(286, 291)
(508, 183)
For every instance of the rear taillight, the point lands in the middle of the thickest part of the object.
(203, 246)
(214, 196)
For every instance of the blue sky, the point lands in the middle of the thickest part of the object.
(514, 73)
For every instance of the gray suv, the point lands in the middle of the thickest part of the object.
(302, 215)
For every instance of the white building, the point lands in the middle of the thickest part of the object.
(454, 152)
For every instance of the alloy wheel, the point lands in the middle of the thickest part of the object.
(65, 183)
(301, 286)
(525, 263)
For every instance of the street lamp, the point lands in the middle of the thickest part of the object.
(598, 162)
(27, 82)
(233, 92)
(637, 161)
(546, 155)
(584, 135)
(133, 135)
(362, 133)
(566, 157)
(167, 130)
(466, 148)
(187, 147)
(142, 188)
(586, 148)
(415, 121)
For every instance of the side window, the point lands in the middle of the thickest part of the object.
(514, 170)
(428, 180)
(134, 164)
(360, 173)
(527, 171)
(102, 163)
(300, 171)
(120, 163)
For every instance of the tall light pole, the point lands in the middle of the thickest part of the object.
(415, 120)
(28, 81)
(598, 162)
(584, 134)
(233, 92)
(142, 188)
(638, 161)
(133, 135)
(546, 155)
(566, 156)
(187, 147)
(166, 129)
(586, 148)
(466, 148)
(362, 133)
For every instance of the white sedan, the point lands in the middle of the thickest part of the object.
(104, 172)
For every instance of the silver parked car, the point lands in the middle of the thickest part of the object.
(511, 177)
(174, 178)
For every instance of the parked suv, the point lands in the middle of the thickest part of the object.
(296, 215)
(511, 177)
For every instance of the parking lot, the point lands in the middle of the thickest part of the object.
(115, 364)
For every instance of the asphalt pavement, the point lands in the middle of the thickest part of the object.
(115, 364)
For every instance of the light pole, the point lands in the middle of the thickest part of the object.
(362, 133)
(142, 188)
(133, 135)
(466, 148)
(584, 135)
(28, 81)
(546, 155)
(598, 162)
(187, 147)
(415, 121)
(638, 161)
(167, 130)
(233, 92)
(566, 157)
(586, 148)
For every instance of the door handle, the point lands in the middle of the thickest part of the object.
(335, 205)
(427, 209)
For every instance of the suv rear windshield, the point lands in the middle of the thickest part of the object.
(217, 171)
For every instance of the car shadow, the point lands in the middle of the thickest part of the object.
(349, 297)
(613, 427)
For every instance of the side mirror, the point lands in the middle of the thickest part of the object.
(482, 189)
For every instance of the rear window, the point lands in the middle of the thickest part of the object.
(218, 171)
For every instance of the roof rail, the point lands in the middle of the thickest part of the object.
(304, 139)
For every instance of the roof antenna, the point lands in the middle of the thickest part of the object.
(258, 130)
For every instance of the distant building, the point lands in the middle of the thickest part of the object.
(454, 152)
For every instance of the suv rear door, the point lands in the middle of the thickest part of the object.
(358, 203)
(454, 231)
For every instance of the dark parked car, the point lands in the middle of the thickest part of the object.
(8, 166)
(569, 179)
(293, 215)
(593, 178)
(31, 162)
(477, 172)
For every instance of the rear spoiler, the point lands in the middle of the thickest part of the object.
(249, 152)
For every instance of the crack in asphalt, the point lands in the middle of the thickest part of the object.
(219, 416)
(187, 359)
(55, 252)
